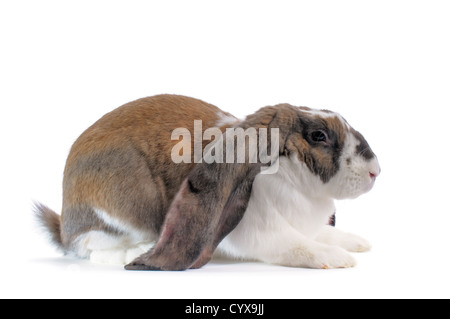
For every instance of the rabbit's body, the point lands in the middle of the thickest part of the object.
(120, 180)
(124, 194)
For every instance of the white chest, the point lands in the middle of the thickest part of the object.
(287, 201)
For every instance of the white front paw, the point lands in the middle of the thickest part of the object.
(354, 243)
(350, 242)
(318, 257)
(330, 257)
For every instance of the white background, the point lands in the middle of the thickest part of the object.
(384, 65)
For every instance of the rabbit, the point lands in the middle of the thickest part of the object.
(126, 200)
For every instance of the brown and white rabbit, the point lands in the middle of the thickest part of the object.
(126, 200)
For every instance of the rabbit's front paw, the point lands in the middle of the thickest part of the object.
(354, 243)
(348, 241)
(332, 257)
(318, 257)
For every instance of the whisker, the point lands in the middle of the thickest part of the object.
(363, 151)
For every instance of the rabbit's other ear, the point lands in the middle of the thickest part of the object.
(212, 201)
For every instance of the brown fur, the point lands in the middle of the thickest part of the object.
(49, 221)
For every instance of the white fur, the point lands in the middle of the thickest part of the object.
(352, 180)
(286, 222)
(327, 114)
(320, 113)
(105, 248)
(332, 236)
(226, 120)
(120, 255)
(135, 235)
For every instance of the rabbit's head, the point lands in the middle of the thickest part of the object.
(339, 160)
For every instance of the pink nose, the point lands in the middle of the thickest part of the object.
(374, 169)
(374, 173)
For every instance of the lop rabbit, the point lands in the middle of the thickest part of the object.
(133, 194)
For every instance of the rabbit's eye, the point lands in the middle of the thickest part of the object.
(319, 137)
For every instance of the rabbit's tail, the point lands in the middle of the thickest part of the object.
(51, 222)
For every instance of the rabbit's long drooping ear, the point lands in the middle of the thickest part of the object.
(200, 217)
(212, 200)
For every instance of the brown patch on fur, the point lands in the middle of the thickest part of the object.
(322, 159)
(335, 125)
